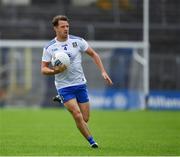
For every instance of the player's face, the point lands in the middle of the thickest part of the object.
(62, 29)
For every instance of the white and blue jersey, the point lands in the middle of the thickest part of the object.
(73, 46)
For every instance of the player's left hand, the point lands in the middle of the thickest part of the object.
(107, 78)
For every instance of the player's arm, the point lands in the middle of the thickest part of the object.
(46, 70)
(98, 62)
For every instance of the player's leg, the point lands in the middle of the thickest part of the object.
(85, 110)
(83, 102)
(74, 109)
(69, 99)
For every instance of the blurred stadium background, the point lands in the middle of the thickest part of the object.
(138, 41)
(120, 30)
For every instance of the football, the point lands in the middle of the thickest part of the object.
(60, 58)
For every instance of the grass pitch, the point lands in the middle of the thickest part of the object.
(53, 132)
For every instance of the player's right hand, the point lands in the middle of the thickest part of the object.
(59, 68)
(107, 78)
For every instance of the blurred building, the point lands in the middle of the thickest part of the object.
(104, 20)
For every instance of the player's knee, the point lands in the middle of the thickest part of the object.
(77, 115)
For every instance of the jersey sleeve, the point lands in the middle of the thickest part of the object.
(84, 45)
(46, 57)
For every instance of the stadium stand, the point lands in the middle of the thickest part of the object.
(95, 23)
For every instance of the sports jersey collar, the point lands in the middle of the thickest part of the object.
(61, 42)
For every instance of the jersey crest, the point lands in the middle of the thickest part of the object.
(74, 44)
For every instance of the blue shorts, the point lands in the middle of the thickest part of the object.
(78, 92)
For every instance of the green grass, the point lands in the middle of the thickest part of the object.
(53, 132)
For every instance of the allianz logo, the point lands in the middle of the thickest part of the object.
(162, 101)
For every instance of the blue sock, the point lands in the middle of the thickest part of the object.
(91, 140)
